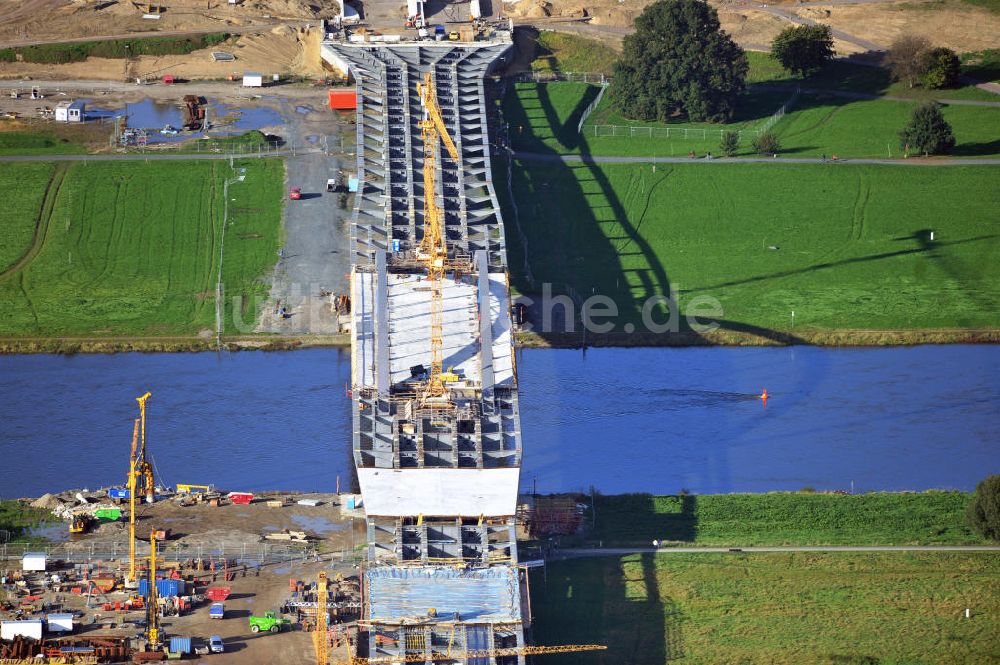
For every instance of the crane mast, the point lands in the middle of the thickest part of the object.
(433, 250)
(152, 607)
(131, 505)
(319, 636)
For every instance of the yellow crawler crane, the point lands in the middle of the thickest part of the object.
(475, 653)
(433, 250)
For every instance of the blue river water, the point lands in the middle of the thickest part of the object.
(618, 420)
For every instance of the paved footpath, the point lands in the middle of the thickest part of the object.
(607, 159)
(622, 551)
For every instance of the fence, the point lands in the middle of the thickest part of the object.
(688, 133)
(590, 108)
(234, 149)
(576, 77)
(82, 552)
(780, 113)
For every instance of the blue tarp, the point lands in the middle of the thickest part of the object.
(488, 594)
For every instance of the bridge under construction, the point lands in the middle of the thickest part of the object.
(437, 440)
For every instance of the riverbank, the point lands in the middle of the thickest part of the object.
(762, 337)
(524, 340)
(258, 342)
(804, 518)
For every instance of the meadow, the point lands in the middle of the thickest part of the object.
(835, 608)
(131, 248)
(842, 246)
(19, 216)
(783, 518)
(828, 118)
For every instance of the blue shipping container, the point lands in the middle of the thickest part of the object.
(180, 644)
(164, 588)
(116, 493)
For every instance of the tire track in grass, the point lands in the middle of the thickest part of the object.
(860, 208)
(41, 224)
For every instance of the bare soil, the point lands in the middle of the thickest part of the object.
(947, 23)
(283, 50)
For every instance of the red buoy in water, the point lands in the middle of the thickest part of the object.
(763, 395)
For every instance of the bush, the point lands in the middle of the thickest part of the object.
(730, 143)
(983, 513)
(7, 55)
(766, 143)
(940, 69)
(119, 48)
(928, 131)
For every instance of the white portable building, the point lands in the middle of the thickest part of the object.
(253, 80)
(33, 561)
(70, 111)
(60, 623)
(30, 628)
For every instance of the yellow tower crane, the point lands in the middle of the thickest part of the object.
(474, 653)
(433, 250)
(319, 635)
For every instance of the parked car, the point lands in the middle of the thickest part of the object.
(296, 193)
(215, 644)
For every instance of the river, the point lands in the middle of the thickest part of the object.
(618, 420)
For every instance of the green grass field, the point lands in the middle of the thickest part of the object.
(544, 118)
(37, 143)
(19, 216)
(738, 520)
(131, 248)
(559, 52)
(778, 608)
(851, 243)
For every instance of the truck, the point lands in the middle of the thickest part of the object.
(217, 611)
(270, 622)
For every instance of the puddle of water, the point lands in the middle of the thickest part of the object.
(56, 532)
(151, 116)
(303, 109)
(246, 118)
(312, 138)
(317, 523)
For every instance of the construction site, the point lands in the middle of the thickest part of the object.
(421, 565)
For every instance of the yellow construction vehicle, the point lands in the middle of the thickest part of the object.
(81, 524)
(433, 250)
(474, 653)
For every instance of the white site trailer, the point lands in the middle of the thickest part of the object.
(29, 628)
(33, 561)
(253, 80)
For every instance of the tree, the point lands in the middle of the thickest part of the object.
(766, 143)
(730, 143)
(983, 514)
(928, 131)
(803, 49)
(679, 62)
(940, 68)
(905, 58)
